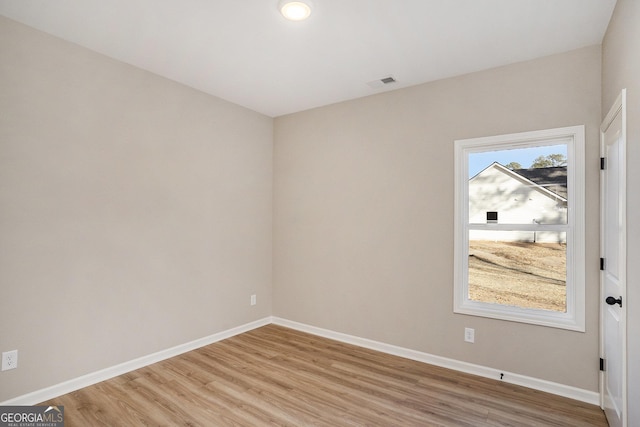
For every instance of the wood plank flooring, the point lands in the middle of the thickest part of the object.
(274, 376)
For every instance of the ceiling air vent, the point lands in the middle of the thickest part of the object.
(382, 82)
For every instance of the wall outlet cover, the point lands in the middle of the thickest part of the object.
(9, 360)
(469, 334)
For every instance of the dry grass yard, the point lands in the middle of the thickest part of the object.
(531, 275)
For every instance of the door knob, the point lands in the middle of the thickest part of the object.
(612, 301)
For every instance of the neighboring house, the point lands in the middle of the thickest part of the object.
(522, 196)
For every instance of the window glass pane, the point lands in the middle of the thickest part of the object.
(519, 186)
(518, 268)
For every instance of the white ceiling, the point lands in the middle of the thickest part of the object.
(245, 52)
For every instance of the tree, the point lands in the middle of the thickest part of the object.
(513, 166)
(548, 161)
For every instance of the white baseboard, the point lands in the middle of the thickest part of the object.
(470, 368)
(483, 371)
(108, 373)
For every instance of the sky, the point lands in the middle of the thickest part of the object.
(524, 156)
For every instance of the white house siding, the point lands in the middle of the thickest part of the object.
(517, 201)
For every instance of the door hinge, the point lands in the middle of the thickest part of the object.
(603, 163)
(602, 364)
(602, 264)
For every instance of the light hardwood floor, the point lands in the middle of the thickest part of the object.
(275, 376)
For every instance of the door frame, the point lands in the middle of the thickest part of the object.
(618, 107)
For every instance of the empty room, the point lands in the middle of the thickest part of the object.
(331, 213)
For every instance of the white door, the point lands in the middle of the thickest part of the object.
(613, 250)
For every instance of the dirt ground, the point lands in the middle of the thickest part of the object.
(531, 275)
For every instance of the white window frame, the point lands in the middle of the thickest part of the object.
(574, 317)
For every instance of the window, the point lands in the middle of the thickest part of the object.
(519, 227)
(492, 217)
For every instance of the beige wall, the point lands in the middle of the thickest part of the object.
(621, 69)
(135, 213)
(363, 219)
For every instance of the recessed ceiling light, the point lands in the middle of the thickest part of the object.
(295, 10)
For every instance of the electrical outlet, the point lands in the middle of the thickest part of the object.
(253, 299)
(9, 360)
(469, 335)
